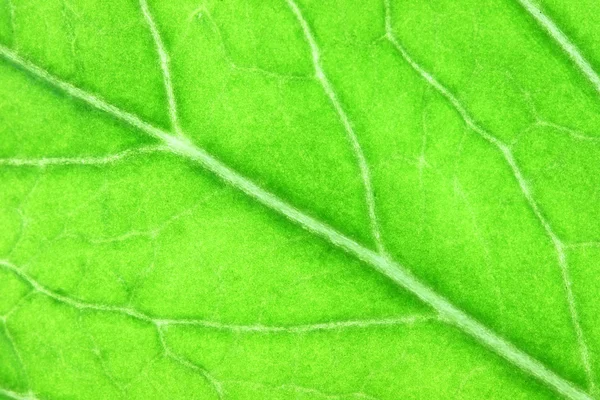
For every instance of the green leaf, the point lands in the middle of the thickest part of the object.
(299, 199)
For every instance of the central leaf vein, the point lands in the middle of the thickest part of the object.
(394, 271)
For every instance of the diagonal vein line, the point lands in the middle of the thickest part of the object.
(80, 305)
(102, 160)
(298, 329)
(160, 325)
(15, 350)
(18, 396)
(164, 66)
(563, 41)
(394, 271)
(82, 95)
(343, 116)
(559, 246)
(215, 384)
(75, 303)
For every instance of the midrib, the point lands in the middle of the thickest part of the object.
(394, 271)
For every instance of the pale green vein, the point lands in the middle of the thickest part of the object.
(343, 116)
(227, 54)
(207, 324)
(82, 305)
(384, 265)
(162, 323)
(164, 66)
(18, 396)
(559, 246)
(103, 160)
(216, 385)
(12, 21)
(75, 303)
(15, 349)
(577, 135)
(555, 128)
(297, 389)
(563, 41)
(97, 352)
(319, 327)
(583, 245)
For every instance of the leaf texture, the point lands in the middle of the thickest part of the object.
(294, 199)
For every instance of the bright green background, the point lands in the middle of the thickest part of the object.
(155, 233)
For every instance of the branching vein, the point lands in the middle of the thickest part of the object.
(343, 116)
(394, 271)
(164, 66)
(104, 160)
(559, 246)
(575, 134)
(215, 384)
(160, 323)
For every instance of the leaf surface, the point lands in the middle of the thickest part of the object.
(302, 200)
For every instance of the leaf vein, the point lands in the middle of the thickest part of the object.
(199, 323)
(18, 396)
(523, 186)
(571, 50)
(164, 66)
(384, 265)
(347, 124)
(61, 161)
